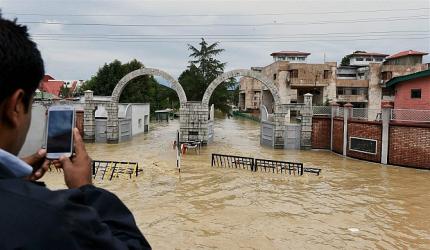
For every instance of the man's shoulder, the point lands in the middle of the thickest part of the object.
(26, 192)
(29, 212)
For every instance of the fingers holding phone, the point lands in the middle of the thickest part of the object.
(39, 163)
(77, 169)
(62, 140)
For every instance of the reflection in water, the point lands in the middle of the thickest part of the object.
(353, 204)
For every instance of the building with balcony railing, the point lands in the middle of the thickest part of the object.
(362, 83)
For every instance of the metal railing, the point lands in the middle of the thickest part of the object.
(321, 110)
(111, 169)
(360, 113)
(410, 115)
(273, 166)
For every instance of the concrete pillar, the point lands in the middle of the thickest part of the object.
(347, 113)
(306, 134)
(89, 119)
(279, 119)
(194, 119)
(386, 117)
(112, 124)
(334, 111)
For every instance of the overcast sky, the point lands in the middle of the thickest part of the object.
(77, 37)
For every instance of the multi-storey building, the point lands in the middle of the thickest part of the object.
(361, 83)
(292, 78)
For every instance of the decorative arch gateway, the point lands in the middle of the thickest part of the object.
(195, 124)
(241, 72)
(112, 127)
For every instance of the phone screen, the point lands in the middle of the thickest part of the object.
(60, 131)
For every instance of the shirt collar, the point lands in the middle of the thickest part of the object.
(12, 166)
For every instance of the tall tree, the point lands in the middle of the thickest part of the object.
(139, 90)
(202, 70)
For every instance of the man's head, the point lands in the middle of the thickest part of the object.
(21, 70)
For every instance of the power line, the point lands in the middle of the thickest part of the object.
(232, 41)
(231, 36)
(212, 15)
(223, 38)
(231, 24)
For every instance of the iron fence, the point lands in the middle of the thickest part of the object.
(273, 166)
(321, 110)
(111, 169)
(360, 113)
(410, 115)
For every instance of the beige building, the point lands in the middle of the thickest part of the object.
(361, 83)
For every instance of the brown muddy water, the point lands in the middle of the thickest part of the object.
(352, 205)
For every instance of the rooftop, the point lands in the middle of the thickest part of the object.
(407, 53)
(52, 87)
(290, 53)
(400, 79)
(363, 53)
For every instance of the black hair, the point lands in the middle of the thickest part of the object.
(21, 65)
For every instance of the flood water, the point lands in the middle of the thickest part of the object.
(351, 205)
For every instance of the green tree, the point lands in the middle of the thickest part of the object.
(64, 92)
(202, 70)
(139, 90)
(345, 60)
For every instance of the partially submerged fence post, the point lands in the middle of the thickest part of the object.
(334, 111)
(386, 117)
(346, 115)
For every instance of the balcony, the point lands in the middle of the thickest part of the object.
(352, 83)
(352, 98)
(298, 82)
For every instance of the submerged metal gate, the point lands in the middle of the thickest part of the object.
(234, 161)
(292, 136)
(111, 169)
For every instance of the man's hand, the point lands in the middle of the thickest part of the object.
(39, 163)
(77, 170)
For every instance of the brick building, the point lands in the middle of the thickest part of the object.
(411, 91)
(51, 86)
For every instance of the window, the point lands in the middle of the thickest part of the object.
(354, 91)
(274, 76)
(291, 58)
(294, 73)
(369, 59)
(139, 123)
(416, 93)
(300, 58)
(363, 145)
(340, 91)
(379, 59)
(359, 59)
(387, 75)
(326, 74)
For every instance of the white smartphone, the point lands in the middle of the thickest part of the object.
(59, 131)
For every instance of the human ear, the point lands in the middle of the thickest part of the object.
(14, 108)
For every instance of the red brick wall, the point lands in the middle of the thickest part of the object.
(403, 98)
(321, 132)
(338, 135)
(409, 146)
(79, 121)
(367, 130)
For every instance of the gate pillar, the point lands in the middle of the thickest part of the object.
(112, 125)
(89, 119)
(194, 121)
(306, 134)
